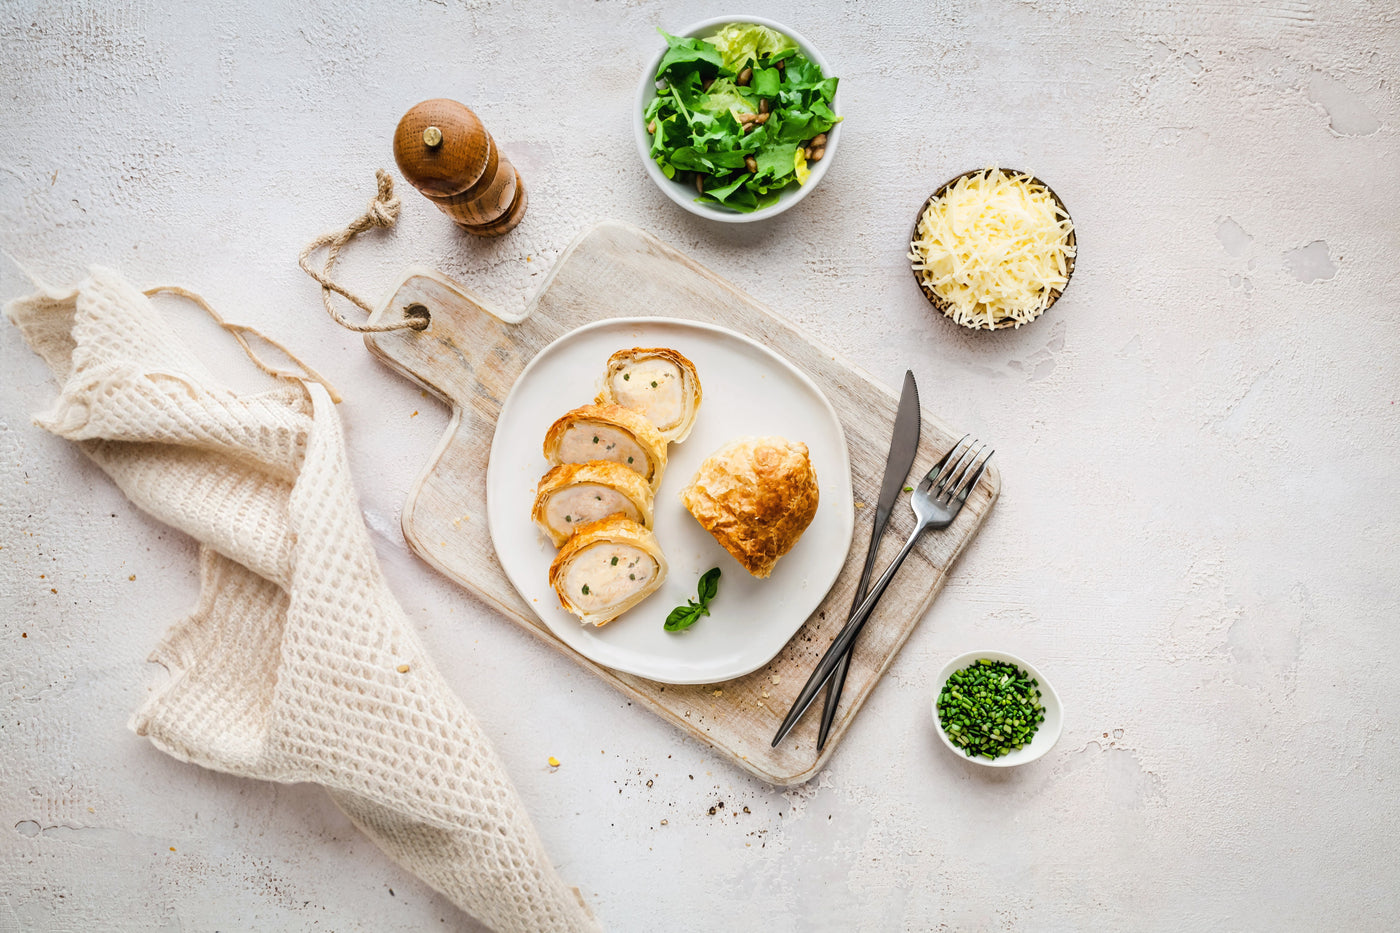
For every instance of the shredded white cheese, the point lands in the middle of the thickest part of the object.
(995, 247)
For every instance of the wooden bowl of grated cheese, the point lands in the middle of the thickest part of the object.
(993, 248)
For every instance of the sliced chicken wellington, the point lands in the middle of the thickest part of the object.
(606, 568)
(659, 383)
(608, 432)
(576, 494)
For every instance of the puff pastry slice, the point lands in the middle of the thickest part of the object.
(608, 432)
(575, 494)
(658, 382)
(606, 568)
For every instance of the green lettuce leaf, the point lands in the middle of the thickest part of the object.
(739, 43)
(725, 96)
(695, 117)
(686, 55)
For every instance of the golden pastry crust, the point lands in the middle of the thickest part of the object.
(608, 534)
(614, 418)
(677, 429)
(595, 473)
(756, 496)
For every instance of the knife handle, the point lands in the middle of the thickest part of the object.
(842, 644)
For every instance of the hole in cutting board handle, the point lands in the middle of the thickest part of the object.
(419, 314)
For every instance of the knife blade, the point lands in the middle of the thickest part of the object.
(904, 445)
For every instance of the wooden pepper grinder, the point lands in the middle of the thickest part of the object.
(444, 151)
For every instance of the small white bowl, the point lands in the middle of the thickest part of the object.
(1045, 737)
(684, 194)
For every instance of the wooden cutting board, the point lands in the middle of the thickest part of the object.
(470, 355)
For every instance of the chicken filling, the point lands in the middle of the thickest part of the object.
(583, 442)
(578, 505)
(606, 574)
(653, 387)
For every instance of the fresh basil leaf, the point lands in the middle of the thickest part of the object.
(709, 586)
(682, 618)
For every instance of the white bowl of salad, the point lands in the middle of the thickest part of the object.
(736, 118)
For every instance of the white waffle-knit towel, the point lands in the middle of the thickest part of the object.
(297, 664)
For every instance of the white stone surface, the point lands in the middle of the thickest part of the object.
(1197, 538)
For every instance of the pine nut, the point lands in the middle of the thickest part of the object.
(817, 155)
(751, 164)
(820, 141)
(651, 126)
(699, 182)
(747, 117)
(750, 127)
(744, 78)
(762, 118)
(763, 106)
(807, 153)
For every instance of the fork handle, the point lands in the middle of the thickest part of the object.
(838, 677)
(827, 666)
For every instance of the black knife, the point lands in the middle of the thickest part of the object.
(904, 444)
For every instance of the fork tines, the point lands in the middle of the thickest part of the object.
(953, 477)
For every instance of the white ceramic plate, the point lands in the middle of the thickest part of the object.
(748, 389)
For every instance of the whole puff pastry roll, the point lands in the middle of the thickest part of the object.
(608, 432)
(659, 383)
(574, 494)
(755, 495)
(606, 568)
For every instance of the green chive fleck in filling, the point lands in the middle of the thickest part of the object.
(626, 377)
(614, 561)
(990, 708)
(585, 589)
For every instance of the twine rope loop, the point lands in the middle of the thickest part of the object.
(382, 211)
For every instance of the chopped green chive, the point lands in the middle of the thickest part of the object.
(626, 377)
(614, 561)
(908, 488)
(629, 459)
(990, 708)
(595, 438)
(653, 385)
(585, 589)
(631, 576)
(568, 518)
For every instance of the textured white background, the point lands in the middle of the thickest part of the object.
(1197, 538)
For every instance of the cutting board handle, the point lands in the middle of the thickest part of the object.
(469, 350)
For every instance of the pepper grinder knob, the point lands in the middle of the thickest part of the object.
(445, 152)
